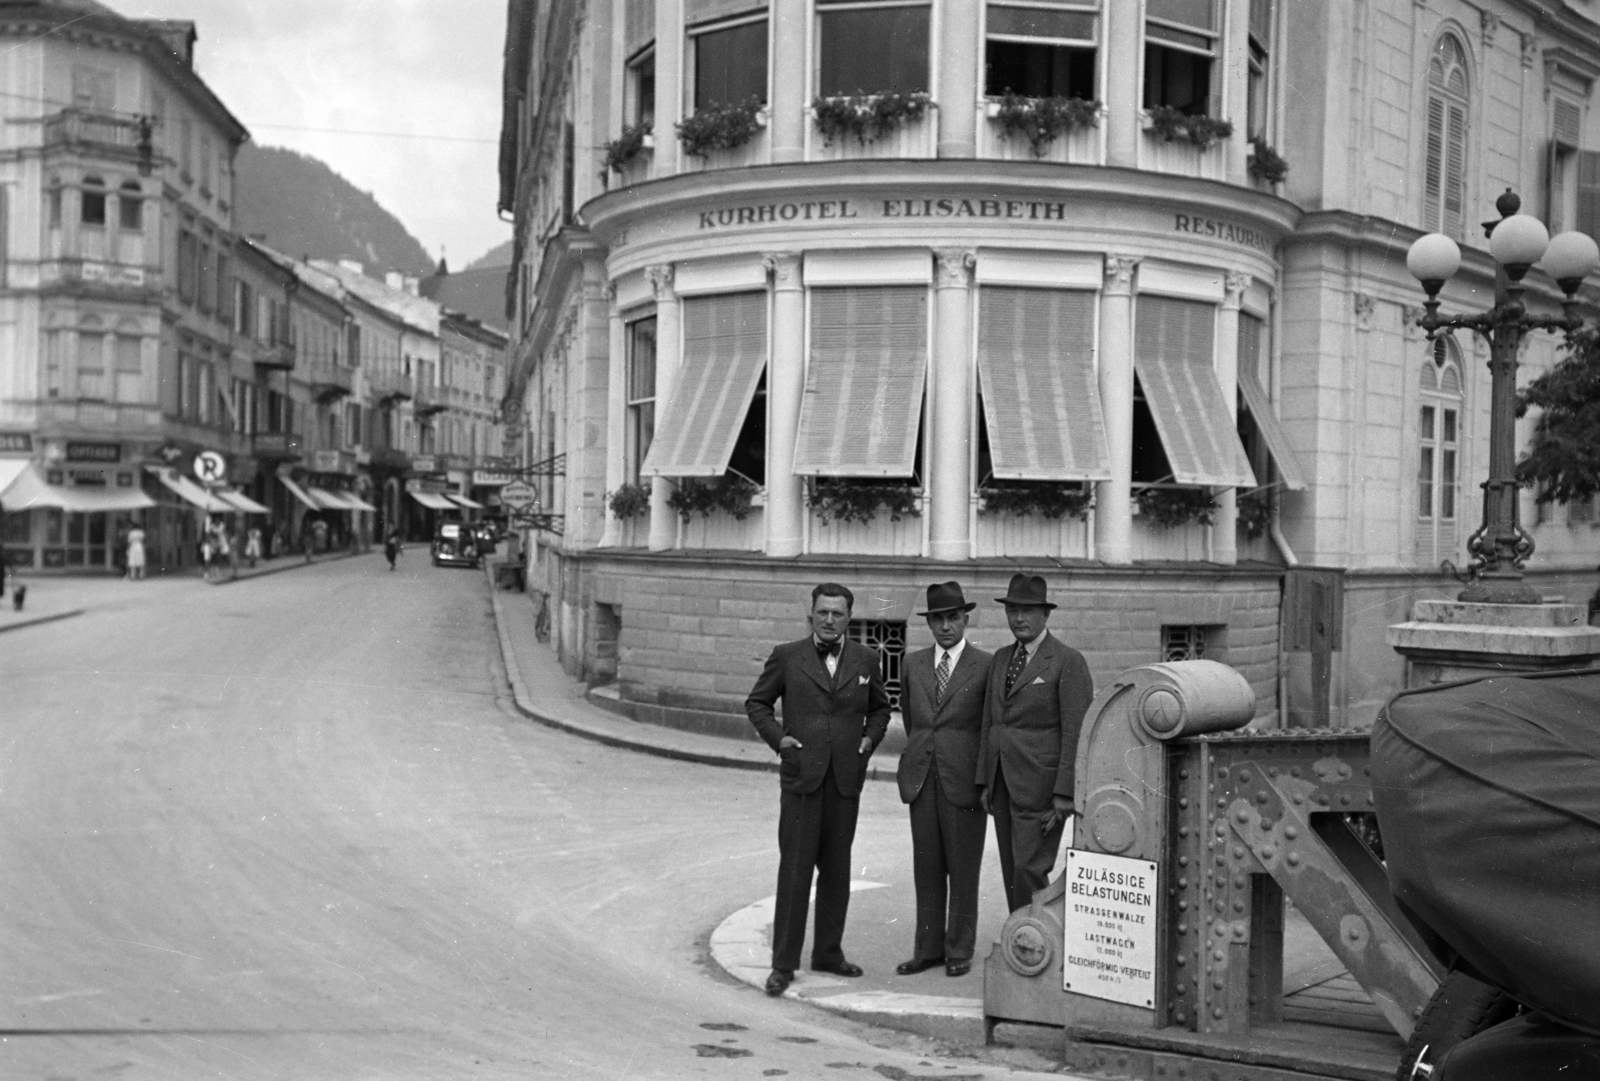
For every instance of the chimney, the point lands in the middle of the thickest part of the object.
(394, 280)
(353, 266)
(409, 284)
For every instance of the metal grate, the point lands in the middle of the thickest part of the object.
(1183, 643)
(888, 637)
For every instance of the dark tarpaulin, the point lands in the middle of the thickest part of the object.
(1488, 799)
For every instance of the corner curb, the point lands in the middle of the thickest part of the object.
(36, 620)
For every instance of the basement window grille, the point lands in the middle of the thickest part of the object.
(1183, 643)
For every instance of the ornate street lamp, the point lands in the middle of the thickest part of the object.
(1517, 241)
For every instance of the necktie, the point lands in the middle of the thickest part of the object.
(1019, 661)
(941, 677)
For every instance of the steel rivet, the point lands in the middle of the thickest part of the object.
(1183, 802)
(1244, 776)
(1184, 774)
(1290, 832)
(1293, 858)
(1183, 861)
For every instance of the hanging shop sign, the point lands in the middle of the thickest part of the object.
(487, 477)
(1110, 928)
(16, 443)
(519, 495)
(94, 452)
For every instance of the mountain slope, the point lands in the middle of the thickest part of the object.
(301, 207)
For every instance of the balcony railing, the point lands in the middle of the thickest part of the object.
(91, 131)
(329, 381)
(389, 385)
(280, 356)
(428, 399)
(276, 446)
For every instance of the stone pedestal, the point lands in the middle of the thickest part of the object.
(1451, 640)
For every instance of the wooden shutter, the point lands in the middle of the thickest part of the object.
(1260, 405)
(704, 11)
(1589, 192)
(1036, 361)
(1433, 176)
(1455, 169)
(724, 353)
(1173, 341)
(638, 25)
(862, 406)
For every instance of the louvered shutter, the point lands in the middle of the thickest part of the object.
(1173, 341)
(724, 353)
(863, 397)
(704, 11)
(1589, 192)
(1260, 405)
(1455, 169)
(1433, 177)
(1036, 363)
(638, 25)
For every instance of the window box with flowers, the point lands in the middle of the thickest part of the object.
(1051, 500)
(721, 127)
(1170, 506)
(1255, 512)
(851, 499)
(630, 501)
(1172, 125)
(730, 494)
(1041, 121)
(621, 151)
(1266, 164)
(867, 118)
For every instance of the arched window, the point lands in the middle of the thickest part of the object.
(1439, 454)
(131, 200)
(1444, 186)
(93, 207)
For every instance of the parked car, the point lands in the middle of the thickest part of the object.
(455, 543)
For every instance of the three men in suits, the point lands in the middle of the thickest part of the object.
(1038, 692)
(835, 713)
(941, 701)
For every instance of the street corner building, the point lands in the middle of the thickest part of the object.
(893, 292)
(139, 329)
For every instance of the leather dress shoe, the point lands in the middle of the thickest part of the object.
(918, 964)
(958, 968)
(778, 981)
(840, 967)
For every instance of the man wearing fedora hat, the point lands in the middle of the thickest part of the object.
(941, 702)
(1039, 689)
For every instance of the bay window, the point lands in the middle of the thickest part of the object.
(872, 48)
(1181, 45)
(641, 391)
(730, 62)
(1040, 52)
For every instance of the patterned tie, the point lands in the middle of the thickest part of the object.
(941, 677)
(1019, 661)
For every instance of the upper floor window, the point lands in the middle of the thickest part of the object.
(872, 48)
(131, 206)
(188, 266)
(730, 63)
(1566, 133)
(1180, 54)
(641, 393)
(52, 199)
(1444, 184)
(186, 147)
(1040, 52)
(205, 162)
(1256, 120)
(640, 92)
(93, 205)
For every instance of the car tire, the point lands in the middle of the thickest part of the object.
(1461, 1007)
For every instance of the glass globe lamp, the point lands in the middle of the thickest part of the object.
(1570, 258)
(1433, 260)
(1518, 242)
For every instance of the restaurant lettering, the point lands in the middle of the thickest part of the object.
(1220, 230)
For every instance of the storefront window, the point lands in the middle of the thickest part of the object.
(730, 64)
(872, 48)
(1179, 54)
(1040, 52)
(641, 393)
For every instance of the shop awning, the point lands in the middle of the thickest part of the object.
(244, 502)
(27, 488)
(355, 502)
(1173, 344)
(863, 394)
(299, 493)
(1271, 429)
(724, 353)
(1036, 365)
(190, 492)
(463, 501)
(325, 499)
(432, 501)
(10, 470)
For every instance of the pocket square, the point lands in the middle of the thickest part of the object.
(1036, 680)
(863, 679)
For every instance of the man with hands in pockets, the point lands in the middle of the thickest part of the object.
(835, 713)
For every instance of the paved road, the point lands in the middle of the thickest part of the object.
(289, 829)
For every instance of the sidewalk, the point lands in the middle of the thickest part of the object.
(280, 564)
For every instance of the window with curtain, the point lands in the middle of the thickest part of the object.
(641, 391)
(1438, 454)
(730, 63)
(1444, 176)
(872, 48)
(1181, 48)
(1257, 121)
(1038, 52)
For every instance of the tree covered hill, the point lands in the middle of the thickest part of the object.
(301, 207)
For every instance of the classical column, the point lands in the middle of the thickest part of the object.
(786, 380)
(616, 414)
(669, 87)
(1224, 531)
(787, 116)
(949, 480)
(1113, 514)
(957, 92)
(1236, 92)
(663, 519)
(1124, 40)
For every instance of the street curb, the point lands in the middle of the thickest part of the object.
(527, 705)
(36, 620)
(741, 946)
(287, 567)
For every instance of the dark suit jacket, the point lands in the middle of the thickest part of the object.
(827, 714)
(948, 734)
(1032, 733)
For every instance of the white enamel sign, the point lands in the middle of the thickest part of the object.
(1110, 917)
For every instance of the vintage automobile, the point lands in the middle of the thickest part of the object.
(455, 543)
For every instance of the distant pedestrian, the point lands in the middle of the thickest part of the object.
(208, 551)
(319, 535)
(135, 554)
(391, 547)
(119, 551)
(252, 545)
(19, 593)
(835, 713)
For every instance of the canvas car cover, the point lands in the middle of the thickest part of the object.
(1488, 800)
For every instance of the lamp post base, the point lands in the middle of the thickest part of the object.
(1450, 640)
(1495, 589)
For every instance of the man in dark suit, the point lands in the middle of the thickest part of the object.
(1039, 690)
(942, 703)
(835, 713)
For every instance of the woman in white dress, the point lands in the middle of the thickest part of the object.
(135, 553)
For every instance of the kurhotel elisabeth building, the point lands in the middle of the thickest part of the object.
(742, 313)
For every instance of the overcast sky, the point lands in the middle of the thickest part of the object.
(400, 68)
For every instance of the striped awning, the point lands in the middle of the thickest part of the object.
(244, 502)
(463, 501)
(724, 354)
(1173, 345)
(1036, 367)
(299, 493)
(190, 492)
(25, 488)
(433, 501)
(1260, 406)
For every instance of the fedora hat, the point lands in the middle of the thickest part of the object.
(947, 597)
(1026, 589)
